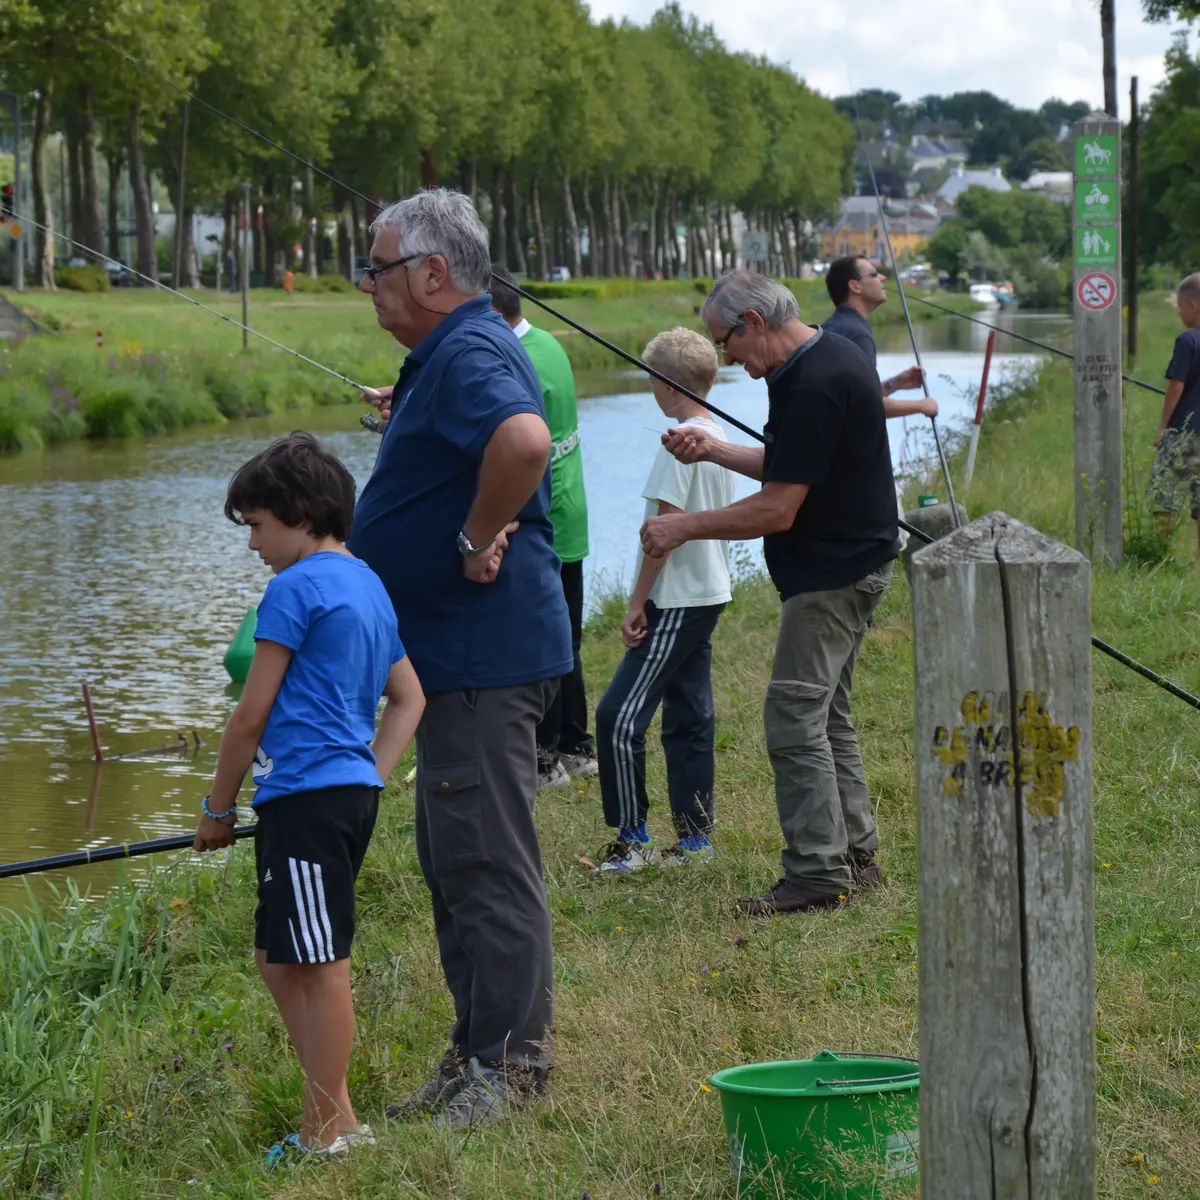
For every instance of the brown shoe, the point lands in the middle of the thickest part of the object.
(442, 1086)
(788, 897)
(865, 872)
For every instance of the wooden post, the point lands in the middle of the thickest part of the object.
(1131, 333)
(1004, 785)
(1097, 302)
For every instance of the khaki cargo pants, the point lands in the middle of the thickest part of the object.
(820, 786)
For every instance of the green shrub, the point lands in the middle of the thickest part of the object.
(83, 279)
(322, 283)
(565, 291)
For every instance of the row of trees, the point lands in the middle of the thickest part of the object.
(584, 143)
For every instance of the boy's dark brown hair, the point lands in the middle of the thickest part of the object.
(298, 481)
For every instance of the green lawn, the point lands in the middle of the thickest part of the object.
(148, 1005)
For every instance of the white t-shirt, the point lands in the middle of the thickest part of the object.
(695, 573)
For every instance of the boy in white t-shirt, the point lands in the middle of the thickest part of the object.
(668, 629)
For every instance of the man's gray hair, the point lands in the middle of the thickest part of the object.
(736, 293)
(1189, 288)
(441, 221)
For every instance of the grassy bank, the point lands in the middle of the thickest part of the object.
(167, 365)
(138, 1048)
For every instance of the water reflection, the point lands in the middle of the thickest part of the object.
(119, 567)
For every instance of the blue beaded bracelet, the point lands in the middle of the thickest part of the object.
(229, 816)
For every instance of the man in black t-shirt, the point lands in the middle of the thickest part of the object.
(827, 517)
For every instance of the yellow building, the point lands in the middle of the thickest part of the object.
(857, 231)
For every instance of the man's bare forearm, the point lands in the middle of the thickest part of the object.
(1171, 402)
(512, 467)
(753, 517)
(745, 460)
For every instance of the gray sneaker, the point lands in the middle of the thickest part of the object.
(488, 1097)
(449, 1078)
(553, 776)
(580, 766)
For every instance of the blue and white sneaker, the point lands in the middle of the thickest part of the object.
(696, 848)
(291, 1150)
(628, 853)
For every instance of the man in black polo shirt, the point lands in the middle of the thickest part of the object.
(858, 288)
(827, 517)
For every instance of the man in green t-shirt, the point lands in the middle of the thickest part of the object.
(565, 748)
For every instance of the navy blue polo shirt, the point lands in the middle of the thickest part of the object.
(852, 325)
(455, 387)
(1185, 368)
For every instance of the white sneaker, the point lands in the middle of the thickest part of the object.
(554, 777)
(580, 766)
(621, 857)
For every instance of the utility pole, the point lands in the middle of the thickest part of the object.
(1131, 335)
(244, 265)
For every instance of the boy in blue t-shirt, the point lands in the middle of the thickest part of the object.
(326, 650)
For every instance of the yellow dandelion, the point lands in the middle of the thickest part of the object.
(716, 974)
(691, 979)
(805, 1019)
(620, 928)
(1106, 866)
(1151, 1179)
(912, 966)
(1128, 1046)
(1135, 1158)
(705, 1088)
(1174, 953)
(841, 896)
(174, 1099)
(1198, 1045)
(128, 1116)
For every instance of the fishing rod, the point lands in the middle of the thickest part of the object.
(312, 362)
(1020, 337)
(80, 858)
(887, 237)
(1145, 672)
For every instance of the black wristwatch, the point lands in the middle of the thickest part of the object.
(467, 550)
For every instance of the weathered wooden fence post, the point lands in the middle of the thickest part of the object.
(1004, 787)
(1097, 308)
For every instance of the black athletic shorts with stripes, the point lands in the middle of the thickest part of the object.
(308, 851)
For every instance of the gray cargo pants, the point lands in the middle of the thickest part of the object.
(479, 854)
(820, 786)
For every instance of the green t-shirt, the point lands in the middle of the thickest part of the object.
(568, 501)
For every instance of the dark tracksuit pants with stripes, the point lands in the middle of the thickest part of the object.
(671, 667)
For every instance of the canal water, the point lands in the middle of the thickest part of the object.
(118, 567)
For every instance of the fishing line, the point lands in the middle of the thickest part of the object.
(1161, 680)
(312, 362)
(1032, 341)
(887, 237)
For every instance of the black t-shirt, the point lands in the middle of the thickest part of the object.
(1185, 367)
(825, 427)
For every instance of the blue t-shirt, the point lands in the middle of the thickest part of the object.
(1185, 367)
(332, 613)
(454, 389)
(853, 326)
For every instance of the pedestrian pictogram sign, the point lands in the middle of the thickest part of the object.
(1096, 291)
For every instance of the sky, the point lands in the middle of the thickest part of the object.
(1023, 50)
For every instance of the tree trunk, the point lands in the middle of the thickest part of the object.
(650, 262)
(182, 234)
(516, 240)
(74, 184)
(539, 230)
(345, 242)
(733, 254)
(189, 271)
(140, 185)
(312, 257)
(114, 156)
(594, 239)
(610, 257)
(574, 253)
(473, 184)
(43, 262)
(92, 229)
(429, 175)
(626, 224)
(499, 217)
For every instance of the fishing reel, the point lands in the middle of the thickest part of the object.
(372, 422)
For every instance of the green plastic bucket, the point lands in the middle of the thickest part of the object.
(241, 649)
(927, 499)
(833, 1127)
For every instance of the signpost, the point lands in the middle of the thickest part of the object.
(1097, 305)
(756, 248)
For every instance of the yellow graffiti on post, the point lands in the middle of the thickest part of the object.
(1043, 749)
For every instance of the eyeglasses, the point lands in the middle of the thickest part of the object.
(722, 344)
(375, 272)
(870, 274)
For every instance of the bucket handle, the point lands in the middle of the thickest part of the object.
(865, 1054)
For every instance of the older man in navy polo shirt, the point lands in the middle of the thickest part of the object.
(454, 519)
